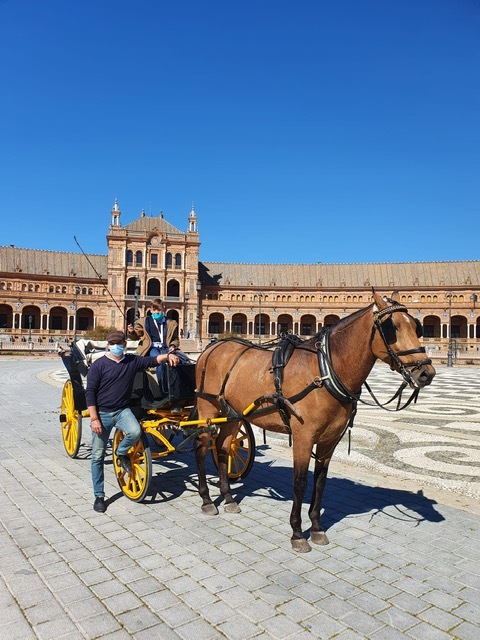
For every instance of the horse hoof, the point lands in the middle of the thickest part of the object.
(319, 537)
(301, 546)
(209, 509)
(232, 507)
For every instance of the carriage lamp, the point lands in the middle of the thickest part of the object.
(30, 320)
(450, 344)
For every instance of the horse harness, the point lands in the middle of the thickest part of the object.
(282, 351)
(281, 354)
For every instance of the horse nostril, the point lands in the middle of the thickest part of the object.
(426, 377)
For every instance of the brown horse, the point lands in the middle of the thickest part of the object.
(310, 391)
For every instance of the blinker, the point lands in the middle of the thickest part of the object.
(390, 333)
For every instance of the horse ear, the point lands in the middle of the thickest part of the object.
(379, 301)
(394, 295)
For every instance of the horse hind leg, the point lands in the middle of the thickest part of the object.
(201, 448)
(317, 534)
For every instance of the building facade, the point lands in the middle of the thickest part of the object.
(48, 296)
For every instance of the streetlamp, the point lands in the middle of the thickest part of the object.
(450, 346)
(185, 313)
(199, 289)
(77, 291)
(137, 294)
(30, 320)
(260, 296)
(474, 299)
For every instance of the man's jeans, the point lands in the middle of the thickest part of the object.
(161, 369)
(122, 419)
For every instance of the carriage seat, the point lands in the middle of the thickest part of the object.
(91, 350)
(181, 387)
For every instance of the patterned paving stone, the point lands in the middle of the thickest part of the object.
(161, 569)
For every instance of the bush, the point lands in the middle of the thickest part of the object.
(99, 333)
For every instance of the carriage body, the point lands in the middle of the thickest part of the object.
(163, 418)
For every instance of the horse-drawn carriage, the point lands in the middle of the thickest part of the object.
(164, 419)
(308, 389)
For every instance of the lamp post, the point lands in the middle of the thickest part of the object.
(474, 299)
(77, 291)
(30, 319)
(137, 294)
(185, 313)
(199, 289)
(450, 345)
(260, 295)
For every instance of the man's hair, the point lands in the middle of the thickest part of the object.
(157, 302)
(114, 337)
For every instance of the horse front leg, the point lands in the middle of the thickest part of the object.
(202, 443)
(223, 443)
(300, 471)
(317, 533)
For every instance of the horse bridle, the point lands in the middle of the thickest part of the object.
(401, 367)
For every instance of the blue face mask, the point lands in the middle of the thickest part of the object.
(117, 350)
(157, 316)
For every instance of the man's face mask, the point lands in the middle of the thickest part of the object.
(117, 350)
(157, 315)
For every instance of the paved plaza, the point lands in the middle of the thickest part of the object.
(401, 512)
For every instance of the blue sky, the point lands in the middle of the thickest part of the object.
(303, 130)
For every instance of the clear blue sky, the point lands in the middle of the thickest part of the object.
(303, 130)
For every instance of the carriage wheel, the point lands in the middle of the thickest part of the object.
(242, 452)
(71, 421)
(136, 483)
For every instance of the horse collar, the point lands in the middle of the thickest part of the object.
(330, 379)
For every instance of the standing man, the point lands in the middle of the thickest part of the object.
(157, 335)
(109, 388)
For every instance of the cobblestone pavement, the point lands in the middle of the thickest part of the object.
(402, 561)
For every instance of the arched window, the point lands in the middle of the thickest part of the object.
(84, 291)
(138, 259)
(129, 258)
(178, 261)
(168, 260)
(153, 287)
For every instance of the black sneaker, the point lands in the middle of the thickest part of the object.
(99, 505)
(125, 463)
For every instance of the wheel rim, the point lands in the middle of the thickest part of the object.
(134, 484)
(71, 428)
(240, 452)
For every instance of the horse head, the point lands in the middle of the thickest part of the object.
(395, 340)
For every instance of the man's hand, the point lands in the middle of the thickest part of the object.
(171, 358)
(130, 328)
(96, 425)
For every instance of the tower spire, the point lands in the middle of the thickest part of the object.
(192, 220)
(116, 213)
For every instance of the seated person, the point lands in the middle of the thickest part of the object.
(157, 335)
